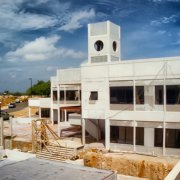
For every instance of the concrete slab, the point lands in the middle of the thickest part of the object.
(47, 170)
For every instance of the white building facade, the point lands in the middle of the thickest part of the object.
(131, 105)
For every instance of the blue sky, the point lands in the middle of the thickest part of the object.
(39, 36)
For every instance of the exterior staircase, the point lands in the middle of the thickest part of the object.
(56, 153)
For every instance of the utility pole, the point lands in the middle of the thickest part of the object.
(31, 85)
(0, 108)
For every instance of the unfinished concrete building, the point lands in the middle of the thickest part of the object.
(131, 105)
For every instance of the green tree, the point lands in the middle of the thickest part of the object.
(40, 88)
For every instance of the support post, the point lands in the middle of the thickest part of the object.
(64, 95)
(164, 109)
(79, 96)
(83, 131)
(29, 112)
(107, 133)
(52, 116)
(11, 131)
(65, 115)
(134, 122)
(39, 113)
(1, 132)
(58, 94)
(58, 121)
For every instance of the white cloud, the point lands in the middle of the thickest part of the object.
(12, 17)
(42, 49)
(164, 20)
(163, 32)
(77, 20)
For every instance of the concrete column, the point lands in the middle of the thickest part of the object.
(107, 133)
(58, 121)
(58, 115)
(134, 122)
(1, 133)
(10, 126)
(29, 112)
(39, 113)
(83, 131)
(134, 136)
(52, 116)
(149, 137)
(10, 131)
(58, 94)
(79, 98)
(164, 108)
(64, 95)
(65, 115)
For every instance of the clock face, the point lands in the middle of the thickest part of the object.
(114, 45)
(98, 45)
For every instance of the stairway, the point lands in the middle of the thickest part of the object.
(92, 127)
(56, 153)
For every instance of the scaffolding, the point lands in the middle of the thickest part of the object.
(40, 131)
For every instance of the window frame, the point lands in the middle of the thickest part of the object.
(93, 96)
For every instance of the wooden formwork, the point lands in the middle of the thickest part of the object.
(40, 131)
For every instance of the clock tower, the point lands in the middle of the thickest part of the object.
(103, 42)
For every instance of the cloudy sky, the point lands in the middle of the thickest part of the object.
(39, 36)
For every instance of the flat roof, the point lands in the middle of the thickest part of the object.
(46, 170)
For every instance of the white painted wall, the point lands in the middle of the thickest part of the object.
(34, 102)
(97, 77)
(69, 76)
(149, 137)
(45, 102)
(40, 102)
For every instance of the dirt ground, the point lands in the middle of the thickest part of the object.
(25, 112)
(131, 164)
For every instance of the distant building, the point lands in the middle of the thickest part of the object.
(131, 105)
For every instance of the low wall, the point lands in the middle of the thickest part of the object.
(22, 120)
(175, 173)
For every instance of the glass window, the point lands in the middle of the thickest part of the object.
(121, 95)
(61, 95)
(54, 95)
(93, 95)
(98, 45)
(173, 94)
(172, 138)
(139, 94)
(72, 95)
(159, 94)
(114, 45)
